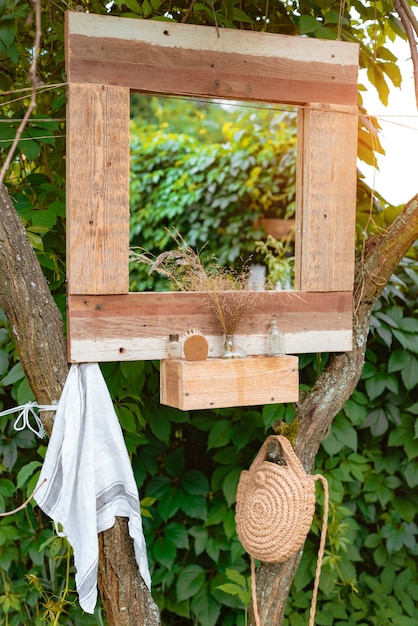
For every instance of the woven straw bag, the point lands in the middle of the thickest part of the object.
(274, 510)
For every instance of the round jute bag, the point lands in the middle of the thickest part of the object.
(274, 510)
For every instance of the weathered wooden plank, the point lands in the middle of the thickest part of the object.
(192, 60)
(219, 383)
(326, 170)
(136, 326)
(97, 189)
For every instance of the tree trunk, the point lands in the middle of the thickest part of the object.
(39, 335)
(315, 413)
(34, 318)
(118, 580)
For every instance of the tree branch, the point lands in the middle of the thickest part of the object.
(410, 24)
(409, 14)
(188, 12)
(316, 412)
(379, 260)
(34, 318)
(34, 83)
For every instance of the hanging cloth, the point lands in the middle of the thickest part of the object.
(88, 477)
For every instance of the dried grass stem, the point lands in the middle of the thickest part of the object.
(225, 288)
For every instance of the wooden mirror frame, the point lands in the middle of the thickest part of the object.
(107, 58)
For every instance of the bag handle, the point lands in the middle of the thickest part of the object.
(291, 459)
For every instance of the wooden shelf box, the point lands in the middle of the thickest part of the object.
(217, 383)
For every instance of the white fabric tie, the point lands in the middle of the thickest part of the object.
(89, 477)
(28, 414)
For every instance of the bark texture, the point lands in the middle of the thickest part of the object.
(118, 579)
(315, 413)
(39, 334)
(32, 313)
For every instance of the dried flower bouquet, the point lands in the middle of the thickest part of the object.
(226, 289)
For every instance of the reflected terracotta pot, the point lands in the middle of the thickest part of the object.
(278, 228)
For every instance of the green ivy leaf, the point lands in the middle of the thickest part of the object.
(413, 408)
(30, 148)
(159, 487)
(229, 524)
(356, 412)
(200, 535)
(7, 488)
(24, 392)
(15, 374)
(377, 422)
(240, 16)
(127, 419)
(174, 463)
(236, 577)
(409, 372)
(195, 483)
(411, 474)
(213, 548)
(372, 541)
(397, 361)
(170, 503)
(229, 485)
(377, 385)
(341, 434)
(411, 448)
(189, 582)
(26, 472)
(206, 608)
(271, 413)
(194, 506)
(221, 434)
(7, 34)
(308, 24)
(230, 588)
(164, 551)
(380, 556)
(408, 341)
(160, 427)
(178, 535)
(179, 608)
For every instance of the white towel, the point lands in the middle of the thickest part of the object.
(89, 478)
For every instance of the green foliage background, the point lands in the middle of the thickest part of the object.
(187, 464)
(209, 177)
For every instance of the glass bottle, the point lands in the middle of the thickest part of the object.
(275, 340)
(232, 350)
(174, 347)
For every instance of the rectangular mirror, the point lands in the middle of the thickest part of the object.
(222, 175)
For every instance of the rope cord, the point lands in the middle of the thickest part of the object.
(321, 546)
(27, 414)
(254, 593)
(26, 502)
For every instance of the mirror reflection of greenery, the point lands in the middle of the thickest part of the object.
(279, 260)
(208, 170)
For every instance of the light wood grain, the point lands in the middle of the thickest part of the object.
(97, 189)
(183, 59)
(137, 326)
(111, 56)
(327, 179)
(219, 383)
